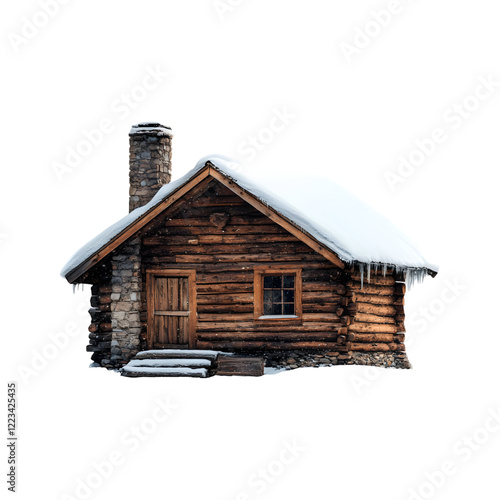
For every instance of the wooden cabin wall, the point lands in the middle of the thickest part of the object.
(224, 260)
(376, 314)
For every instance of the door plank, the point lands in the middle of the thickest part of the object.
(184, 296)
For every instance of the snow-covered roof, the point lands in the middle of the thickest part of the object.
(319, 207)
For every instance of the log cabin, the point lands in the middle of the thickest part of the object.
(218, 273)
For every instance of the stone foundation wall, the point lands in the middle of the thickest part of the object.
(291, 360)
(383, 359)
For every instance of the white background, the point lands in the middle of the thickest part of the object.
(373, 433)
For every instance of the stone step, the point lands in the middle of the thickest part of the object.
(170, 363)
(151, 371)
(176, 354)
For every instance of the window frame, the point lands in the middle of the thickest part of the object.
(262, 271)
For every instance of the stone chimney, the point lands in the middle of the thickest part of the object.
(150, 161)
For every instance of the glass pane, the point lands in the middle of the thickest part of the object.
(288, 309)
(268, 308)
(277, 296)
(268, 281)
(277, 309)
(288, 281)
(288, 295)
(268, 295)
(276, 281)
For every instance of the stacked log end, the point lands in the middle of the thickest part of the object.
(100, 329)
(376, 313)
(342, 311)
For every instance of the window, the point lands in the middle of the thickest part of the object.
(277, 294)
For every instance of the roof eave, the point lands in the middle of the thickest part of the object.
(73, 275)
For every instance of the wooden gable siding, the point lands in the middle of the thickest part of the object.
(224, 260)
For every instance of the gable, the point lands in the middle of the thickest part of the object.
(179, 196)
(217, 226)
(214, 208)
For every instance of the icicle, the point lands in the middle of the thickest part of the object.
(411, 275)
(415, 276)
(78, 287)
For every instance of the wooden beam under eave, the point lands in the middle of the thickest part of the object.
(277, 218)
(129, 231)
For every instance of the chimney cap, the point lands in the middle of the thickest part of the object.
(150, 128)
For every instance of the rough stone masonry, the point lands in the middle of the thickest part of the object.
(150, 161)
(150, 169)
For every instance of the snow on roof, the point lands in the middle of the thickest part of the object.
(343, 223)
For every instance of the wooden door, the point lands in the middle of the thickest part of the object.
(171, 309)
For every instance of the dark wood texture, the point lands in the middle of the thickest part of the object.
(224, 260)
(171, 308)
(243, 366)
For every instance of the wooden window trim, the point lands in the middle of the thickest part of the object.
(191, 275)
(259, 273)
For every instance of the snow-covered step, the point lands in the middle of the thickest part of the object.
(176, 354)
(154, 371)
(170, 363)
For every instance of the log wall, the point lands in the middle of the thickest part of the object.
(223, 238)
(375, 314)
